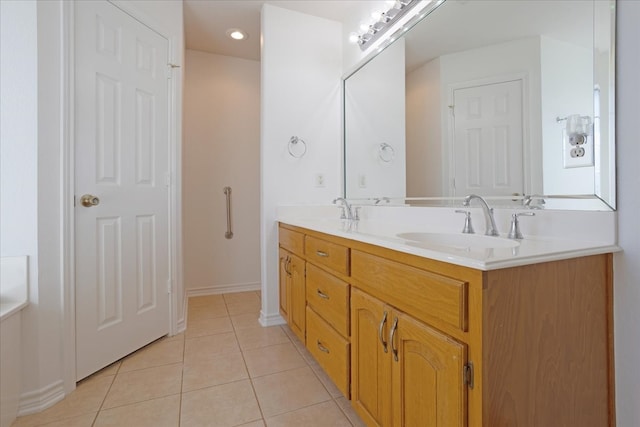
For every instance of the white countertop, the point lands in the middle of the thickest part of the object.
(383, 232)
(13, 285)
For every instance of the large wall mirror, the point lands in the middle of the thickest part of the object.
(502, 98)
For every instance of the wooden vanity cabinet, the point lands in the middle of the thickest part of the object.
(521, 346)
(292, 281)
(404, 372)
(527, 346)
(328, 293)
(314, 298)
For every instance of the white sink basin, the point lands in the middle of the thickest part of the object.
(462, 241)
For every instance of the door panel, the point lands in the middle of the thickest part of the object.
(122, 157)
(427, 381)
(488, 139)
(284, 283)
(297, 303)
(369, 362)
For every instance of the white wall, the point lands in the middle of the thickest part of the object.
(374, 104)
(221, 148)
(18, 172)
(18, 128)
(627, 263)
(48, 346)
(564, 92)
(300, 70)
(424, 131)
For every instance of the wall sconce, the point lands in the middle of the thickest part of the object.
(385, 20)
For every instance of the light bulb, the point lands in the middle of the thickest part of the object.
(236, 34)
(353, 38)
(376, 14)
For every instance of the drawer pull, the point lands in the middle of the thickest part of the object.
(322, 254)
(322, 294)
(380, 328)
(394, 349)
(322, 348)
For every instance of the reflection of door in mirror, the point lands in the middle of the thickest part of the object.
(486, 120)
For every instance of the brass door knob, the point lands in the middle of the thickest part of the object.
(89, 200)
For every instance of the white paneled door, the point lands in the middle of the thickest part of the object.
(488, 139)
(121, 166)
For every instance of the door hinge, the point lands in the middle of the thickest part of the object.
(167, 179)
(170, 68)
(452, 108)
(467, 374)
(169, 286)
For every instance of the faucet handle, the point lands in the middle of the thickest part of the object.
(468, 228)
(514, 232)
(356, 213)
(343, 214)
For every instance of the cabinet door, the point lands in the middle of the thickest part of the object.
(284, 283)
(426, 376)
(370, 379)
(297, 297)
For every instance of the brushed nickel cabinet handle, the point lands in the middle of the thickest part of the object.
(322, 254)
(322, 294)
(394, 349)
(321, 347)
(287, 266)
(380, 335)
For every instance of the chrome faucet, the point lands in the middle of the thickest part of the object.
(490, 223)
(347, 212)
(527, 202)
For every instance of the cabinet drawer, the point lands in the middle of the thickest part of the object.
(330, 350)
(329, 296)
(291, 240)
(430, 297)
(328, 254)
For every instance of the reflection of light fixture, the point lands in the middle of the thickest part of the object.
(236, 34)
(382, 21)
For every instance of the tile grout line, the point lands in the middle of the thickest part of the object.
(104, 399)
(244, 361)
(184, 347)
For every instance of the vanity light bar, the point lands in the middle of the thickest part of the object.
(386, 20)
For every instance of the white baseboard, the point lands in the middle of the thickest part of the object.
(271, 319)
(39, 400)
(223, 289)
(182, 325)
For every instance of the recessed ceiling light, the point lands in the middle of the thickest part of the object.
(236, 34)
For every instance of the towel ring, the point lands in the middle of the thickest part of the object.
(386, 153)
(297, 147)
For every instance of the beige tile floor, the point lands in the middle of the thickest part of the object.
(225, 370)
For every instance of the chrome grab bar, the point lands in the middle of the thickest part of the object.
(229, 232)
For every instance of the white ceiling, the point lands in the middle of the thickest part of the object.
(206, 21)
